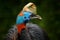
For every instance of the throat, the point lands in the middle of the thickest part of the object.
(20, 27)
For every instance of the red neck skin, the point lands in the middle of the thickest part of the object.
(20, 27)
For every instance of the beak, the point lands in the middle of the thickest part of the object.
(34, 16)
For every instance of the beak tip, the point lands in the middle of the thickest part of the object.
(40, 18)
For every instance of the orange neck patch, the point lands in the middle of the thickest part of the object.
(21, 14)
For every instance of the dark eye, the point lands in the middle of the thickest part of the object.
(25, 17)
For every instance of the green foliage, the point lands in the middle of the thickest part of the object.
(47, 9)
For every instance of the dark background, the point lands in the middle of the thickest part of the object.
(48, 9)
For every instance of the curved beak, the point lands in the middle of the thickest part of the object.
(34, 16)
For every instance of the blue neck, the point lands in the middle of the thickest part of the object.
(19, 20)
(23, 19)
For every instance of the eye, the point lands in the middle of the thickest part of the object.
(25, 17)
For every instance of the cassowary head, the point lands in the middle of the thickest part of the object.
(28, 12)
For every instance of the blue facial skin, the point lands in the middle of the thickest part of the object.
(23, 19)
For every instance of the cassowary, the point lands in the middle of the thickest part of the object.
(25, 30)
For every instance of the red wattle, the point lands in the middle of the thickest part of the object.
(20, 27)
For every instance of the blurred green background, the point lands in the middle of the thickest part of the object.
(47, 9)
